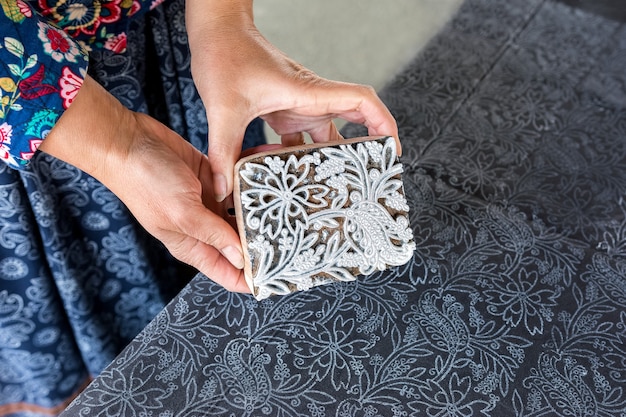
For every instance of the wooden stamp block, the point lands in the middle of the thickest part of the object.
(321, 213)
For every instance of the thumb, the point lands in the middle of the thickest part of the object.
(226, 133)
(208, 243)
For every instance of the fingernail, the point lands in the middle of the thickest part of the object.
(234, 256)
(219, 182)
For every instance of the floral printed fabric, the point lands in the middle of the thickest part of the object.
(79, 277)
(42, 70)
(513, 122)
(93, 23)
(43, 50)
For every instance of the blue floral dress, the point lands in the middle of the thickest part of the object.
(79, 278)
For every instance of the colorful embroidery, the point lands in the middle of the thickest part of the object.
(39, 78)
(95, 24)
(6, 131)
(57, 44)
(83, 17)
(15, 10)
(45, 72)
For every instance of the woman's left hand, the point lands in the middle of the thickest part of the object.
(163, 180)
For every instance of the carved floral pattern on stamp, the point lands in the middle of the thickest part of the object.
(320, 214)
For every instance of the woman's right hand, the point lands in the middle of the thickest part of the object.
(240, 75)
(163, 180)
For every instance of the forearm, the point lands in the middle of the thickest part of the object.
(221, 15)
(89, 133)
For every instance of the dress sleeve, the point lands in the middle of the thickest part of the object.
(41, 70)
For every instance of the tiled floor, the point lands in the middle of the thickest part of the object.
(361, 41)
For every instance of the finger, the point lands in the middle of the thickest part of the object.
(210, 244)
(220, 270)
(200, 236)
(292, 139)
(325, 133)
(355, 103)
(226, 133)
(214, 231)
(223, 209)
(211, 263)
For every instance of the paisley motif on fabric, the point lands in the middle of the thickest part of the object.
(512, 122)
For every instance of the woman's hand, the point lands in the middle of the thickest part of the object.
(164, 181)
(240, 76)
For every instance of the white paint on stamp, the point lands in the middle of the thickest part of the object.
(321, 213)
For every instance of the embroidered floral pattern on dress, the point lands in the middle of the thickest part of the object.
(39, 78)
(44, 72)
(57, 44)
(83, 17)
(95, 24)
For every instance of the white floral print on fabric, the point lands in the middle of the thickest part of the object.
(514, 303)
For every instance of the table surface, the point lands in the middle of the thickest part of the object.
(513, 123)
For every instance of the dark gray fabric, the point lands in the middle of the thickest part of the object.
(513, 122)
